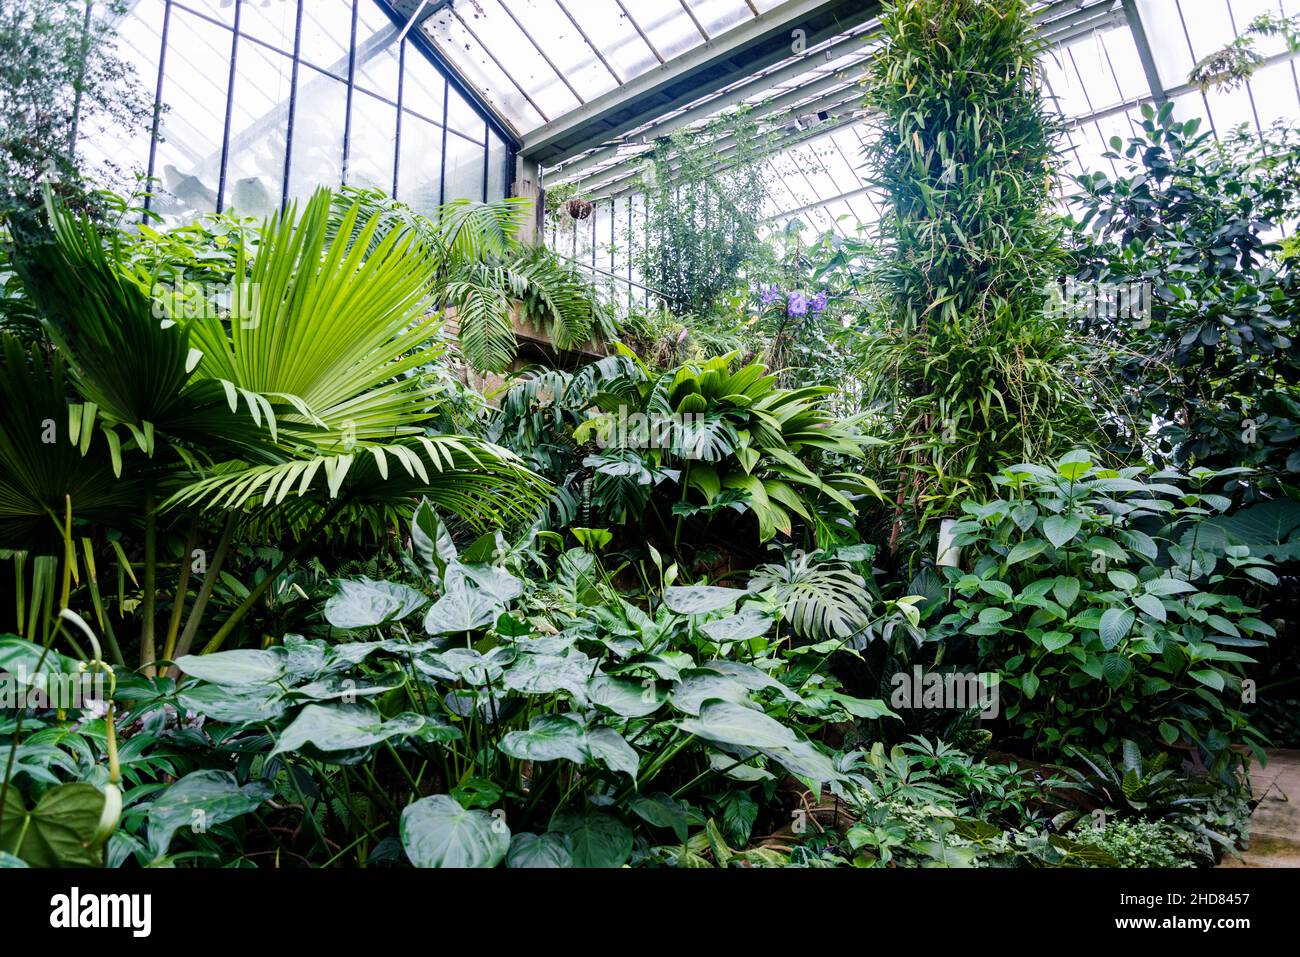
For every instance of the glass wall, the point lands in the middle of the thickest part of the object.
(264, 100)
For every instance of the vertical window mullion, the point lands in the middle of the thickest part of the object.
(230, 108)
(352, 77)
(157, 107)
(293, 109)
(487, 154)
(442, 172)
(397, 133)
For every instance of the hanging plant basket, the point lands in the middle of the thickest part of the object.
(580, 208)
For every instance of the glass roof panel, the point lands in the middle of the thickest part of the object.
(1094, 73)
(535, 60)
(606, 26)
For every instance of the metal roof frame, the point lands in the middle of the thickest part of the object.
(726, 59)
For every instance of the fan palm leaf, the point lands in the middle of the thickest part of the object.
(40, 463)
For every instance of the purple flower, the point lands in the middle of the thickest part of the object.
(769, 295)
(682, 338)
(797, 304)
(819, 301)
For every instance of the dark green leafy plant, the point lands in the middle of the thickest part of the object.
(963, 361)
(475, 265)
(660, 450)
(1214, 364)
(1092, 594)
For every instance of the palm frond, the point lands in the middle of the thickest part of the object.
(486, 485)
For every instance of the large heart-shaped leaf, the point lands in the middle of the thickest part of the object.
(1060, 529)
(234, 704)
(700, 599)
(247, 666)
(437, 832)
(549, 737)
(698, 686)
(626, 697)
(201, 800)
(343, 727)
(496, 583)
(60, 831)
(362, 603)
(461, 609)
(546, 674)
(540, 850)
(730, 723)
(750, 622)
(609, 748)
(598, 840)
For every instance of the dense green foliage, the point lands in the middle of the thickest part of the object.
(969, 367)
(681, 606)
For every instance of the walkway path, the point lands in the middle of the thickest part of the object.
(1275, 825)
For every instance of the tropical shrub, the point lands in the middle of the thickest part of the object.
(1132, 843)
(474, 262)
(656, 451)
(290, 408)
(516, 717)
(1089, 590)
(1214, 365)
(965, 364)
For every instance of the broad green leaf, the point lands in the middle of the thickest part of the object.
(728, 723)
(248, 666)
(1152, 605)
(546, 674)
(1055, 640)
(461, 664)
(461, 609)
(540, 850)
(431, 541)
(1116, 669)
(1115, 626)
(1061, 529)
(343, 727)
(233, 704)
(60, 831)
(598, 840)
(201, 800)
(804, 760)
(1124, 581)
(1026, 550)
(1168, 586)
(362, 603)
(1209, 677)
(662, 810)
(997, 589)
(437, 832)
(549, 737)
(610, 748)
(1066, 590)
(750, 622)
(626, 697)
(700, 599)
(698, 686)
(488, 580)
